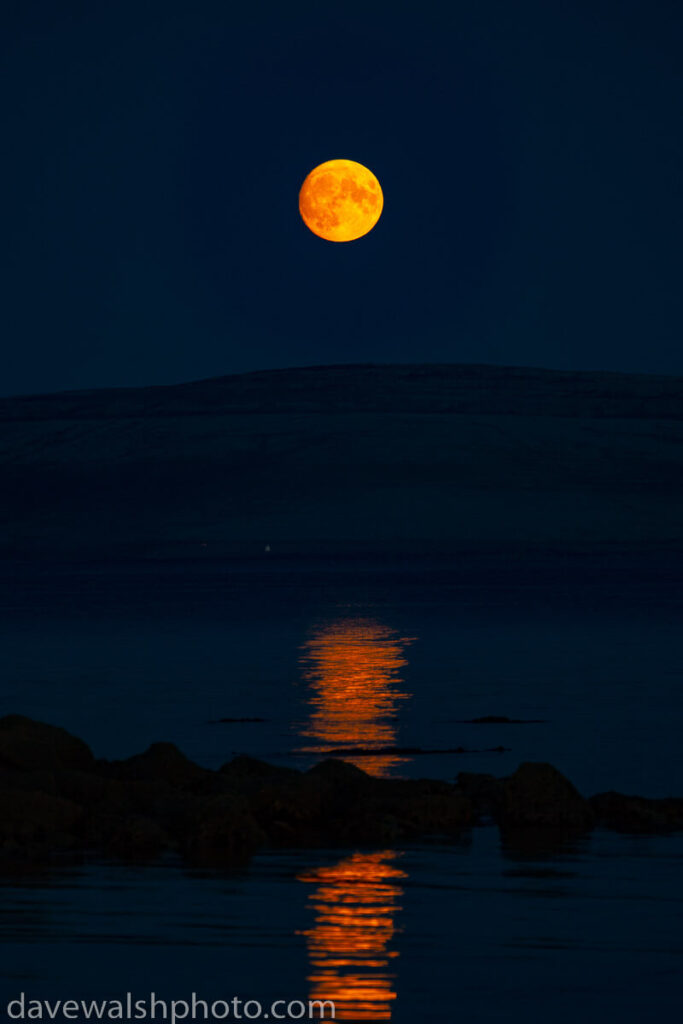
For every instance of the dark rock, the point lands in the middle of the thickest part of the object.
(34, 746)
(246, 772)
(115, 807)
(389, 810)
(36, 823)
(133, 838)
(42, 781)
(174, 809)
(295, 812)
(54, 796)
(336, 802)
(164, 762)
(295, 808)
(537, 794)
(624, 813)
(485, 792)
(286, 803)
(89, 789)
(492, 720)
(424, 807)
(224, 835)
(338, 775)
(368, 826)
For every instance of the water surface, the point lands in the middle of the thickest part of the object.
(466, 931)
(332, 660)
(306, 664)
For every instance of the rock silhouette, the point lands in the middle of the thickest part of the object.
(56, 799)
(636, 814)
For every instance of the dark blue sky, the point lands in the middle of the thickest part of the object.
(530, 153)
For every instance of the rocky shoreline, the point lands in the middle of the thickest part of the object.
(57, 800)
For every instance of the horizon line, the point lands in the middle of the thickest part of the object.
(321, 367)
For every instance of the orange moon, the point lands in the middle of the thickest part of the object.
(340, 200)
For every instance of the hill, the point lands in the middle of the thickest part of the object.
(347, 459)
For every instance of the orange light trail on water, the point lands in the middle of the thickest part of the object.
(353, 669)
(355, 902)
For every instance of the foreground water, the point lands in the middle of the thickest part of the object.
(431, 934)
(388, 665)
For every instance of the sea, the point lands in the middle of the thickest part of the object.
(423, 669)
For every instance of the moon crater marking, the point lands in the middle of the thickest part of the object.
(341, 200)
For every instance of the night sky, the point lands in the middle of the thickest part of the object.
(530, 154)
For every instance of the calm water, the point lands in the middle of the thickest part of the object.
(376, 660)
(336, 661)
(426, 934)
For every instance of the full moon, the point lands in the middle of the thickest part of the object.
(340, 200)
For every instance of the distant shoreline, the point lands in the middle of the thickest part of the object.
(452, 463)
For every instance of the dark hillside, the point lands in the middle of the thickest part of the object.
(350, 458)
